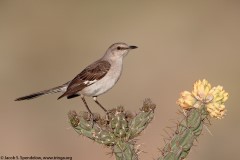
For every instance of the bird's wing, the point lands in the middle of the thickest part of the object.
(87, 77)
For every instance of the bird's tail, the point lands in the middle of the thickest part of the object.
(61, 88)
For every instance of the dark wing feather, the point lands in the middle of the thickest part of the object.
(95, 71)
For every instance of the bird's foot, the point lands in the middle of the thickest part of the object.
(109, 115)
(93, 118)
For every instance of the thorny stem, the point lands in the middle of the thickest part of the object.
(186, 133)
(117, 131)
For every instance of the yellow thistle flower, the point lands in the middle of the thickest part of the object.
(212, 98)
(216, 110)
(219, 95)
(201, 89)
(186, 101)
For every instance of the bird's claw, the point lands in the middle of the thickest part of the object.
(108, 112)
(91, 119)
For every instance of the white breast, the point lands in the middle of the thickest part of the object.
(107, 82)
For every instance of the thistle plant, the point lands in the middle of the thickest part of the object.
(198, 106)
(119, 128)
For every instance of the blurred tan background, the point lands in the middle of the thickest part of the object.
(46, 43)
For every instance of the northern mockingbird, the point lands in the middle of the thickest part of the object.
(95, 79)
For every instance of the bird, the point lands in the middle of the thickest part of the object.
(93, 81)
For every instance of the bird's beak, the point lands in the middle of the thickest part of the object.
(132, 47)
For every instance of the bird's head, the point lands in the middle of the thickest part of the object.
(119, 50)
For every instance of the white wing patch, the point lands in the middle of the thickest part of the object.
(64, 89)
(89, 82)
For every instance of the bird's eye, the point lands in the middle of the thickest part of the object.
(119, 48)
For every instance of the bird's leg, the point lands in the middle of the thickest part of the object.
(95, 99)
(105, 110)
(90, 112)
